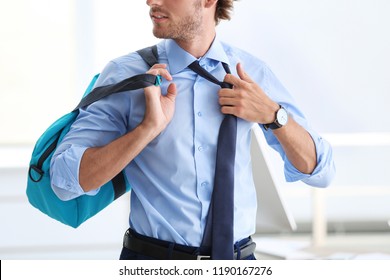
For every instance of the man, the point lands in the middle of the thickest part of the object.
(166, 137)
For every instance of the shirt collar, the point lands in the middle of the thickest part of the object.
(217, 52)
(179, 59)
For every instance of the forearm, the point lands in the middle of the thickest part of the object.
(298, 146)
(100, 164)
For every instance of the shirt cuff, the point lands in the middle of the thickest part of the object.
(325, 170)
(64, 173)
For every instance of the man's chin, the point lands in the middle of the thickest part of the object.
(157, 32)
(162, 33)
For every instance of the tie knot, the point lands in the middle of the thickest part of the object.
(195, 66)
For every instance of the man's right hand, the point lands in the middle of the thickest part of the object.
(159, 108)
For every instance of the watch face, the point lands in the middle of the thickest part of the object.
(282, 116)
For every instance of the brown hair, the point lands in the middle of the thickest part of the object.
(224, 9)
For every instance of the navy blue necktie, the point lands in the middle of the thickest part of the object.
(220, 229)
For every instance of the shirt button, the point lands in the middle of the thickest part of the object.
(200, 114)
(205, 184)
(200, 148)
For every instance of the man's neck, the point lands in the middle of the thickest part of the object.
(199, 45)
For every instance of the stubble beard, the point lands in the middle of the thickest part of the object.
(184, 30)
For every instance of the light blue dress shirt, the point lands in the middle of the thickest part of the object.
(172, 178)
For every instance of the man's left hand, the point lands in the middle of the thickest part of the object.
(246, 99)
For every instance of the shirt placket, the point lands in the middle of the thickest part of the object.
(206, 127)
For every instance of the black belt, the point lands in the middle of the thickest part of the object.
(158, 249)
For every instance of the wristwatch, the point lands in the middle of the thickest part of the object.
(281, 118)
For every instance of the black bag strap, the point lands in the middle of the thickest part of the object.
(132, 83)
(149, 55)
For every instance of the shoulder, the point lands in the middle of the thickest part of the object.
(130, 60)
(236, 53)
(251, 62)
(253, 65)
(121, 68)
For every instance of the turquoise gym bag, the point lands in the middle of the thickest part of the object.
(39, 192)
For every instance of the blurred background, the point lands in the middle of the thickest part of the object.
(333, 56)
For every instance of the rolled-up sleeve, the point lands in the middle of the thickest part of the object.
(64, 172)
(324, 171)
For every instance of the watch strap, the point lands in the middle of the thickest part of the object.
(272, 126)
(275, 124)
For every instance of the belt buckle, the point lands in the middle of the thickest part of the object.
(203, 257)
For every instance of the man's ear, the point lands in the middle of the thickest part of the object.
(210, 3)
